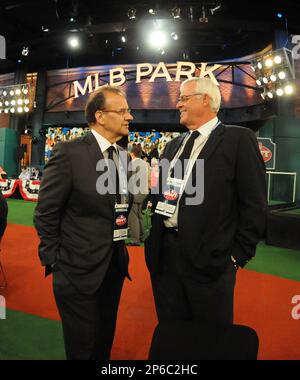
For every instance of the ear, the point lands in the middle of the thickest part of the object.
(206, 100)
(99, 117)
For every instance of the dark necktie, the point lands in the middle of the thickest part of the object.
(113, 169)
(185, 155)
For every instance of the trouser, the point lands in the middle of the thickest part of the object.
(89, 321)
(135, 220)
(186, 297)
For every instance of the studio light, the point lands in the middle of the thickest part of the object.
(269, 62)
(288, 89)
(277, 59)
(20, 110)
(13, 102)
(265, 80)
(11, 93)
(176, 12)
(73, 42)
(25, 51)
(259, 65)
(158, 39)
(270, 95)
(273, 78)
(174, 36)
(279, 92)
(131, 13)
(281, 75)
(18, 91)
(258, 82)
(12, 110)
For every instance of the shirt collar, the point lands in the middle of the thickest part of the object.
(208, 127)
(104, 144)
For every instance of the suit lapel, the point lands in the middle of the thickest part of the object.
(213, 141)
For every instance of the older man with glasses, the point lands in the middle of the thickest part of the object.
(82, 224)
(195, 247)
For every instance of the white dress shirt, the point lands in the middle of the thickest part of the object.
(205, 130)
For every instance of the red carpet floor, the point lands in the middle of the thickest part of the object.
(262, 301)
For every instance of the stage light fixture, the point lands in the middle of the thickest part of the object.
(1, 104)
(20, 102)
(20, 110)
(158, 39)
(273, 78)
(4, 93)
(288, 89)
(6, 110)
(174, 36)
(263, 95)
(258, 81)
(26, 109)
(265, 80)
(270, 95)
(279, 92)
(6, 103)
(281, 75)
(259, 65)
(176, 12)
(131, 14)
(25, 51)
(162, 52)
(45, 29)
(277, 59)
(279, 15)
(269, 62)
(152, 12)
(26, 101)
(13, 102)
(11, 93)
(252, 68)
(12, 110)
(73, 42)
(123, 38)
(18, 91)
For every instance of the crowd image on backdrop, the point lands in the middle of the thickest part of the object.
(55, 135)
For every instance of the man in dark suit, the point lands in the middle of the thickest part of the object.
(78, 224)
(3, 215)
(194, 250)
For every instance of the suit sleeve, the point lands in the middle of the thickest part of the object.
(54, 192)
(252, 198)
(3, 214)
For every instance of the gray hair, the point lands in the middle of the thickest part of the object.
(207, 86)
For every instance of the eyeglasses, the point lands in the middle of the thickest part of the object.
(121, 112)
(185, 98)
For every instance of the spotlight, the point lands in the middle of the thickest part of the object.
(265, 80)
(259, 65)
(26, 101)
(72, 19)
(25, 91)
(6, 103)
(20, 102)
(11, 92)
(176, 12)
(162, 52)
(73, 42)
(1, 104)
(279, 15)
(123, 38)
(6, 110)
(281, 75)
(174, 36)
(269, 62)
(273, 78)
(152, 12)
(18, 91)
(12, 110)
(277, 59)
(25, 51)
(262, 95)
(45, 29)
(158, 39)
(288, 89)
(4, 93)
(20, 109)
(26, 109)
(252, 68)
(270, 95)
(131, 14)
(279, 92)
(13, 102)
(258, 82)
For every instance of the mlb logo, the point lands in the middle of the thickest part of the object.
(2, 48)
(2, 308)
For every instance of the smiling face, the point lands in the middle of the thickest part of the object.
(112, 124)
(194, 109)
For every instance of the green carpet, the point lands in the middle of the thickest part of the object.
(40, 340)
(20, 212)
(276, 261)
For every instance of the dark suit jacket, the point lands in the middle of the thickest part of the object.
(3, 214)
(231, 219)
(74, 222)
